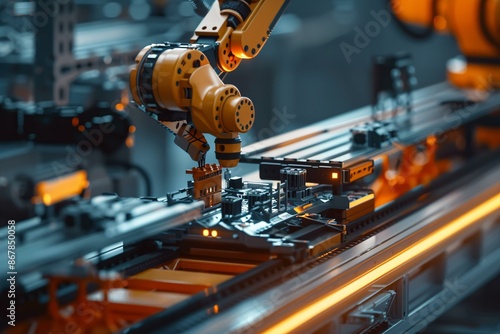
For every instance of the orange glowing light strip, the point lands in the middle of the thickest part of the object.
(370, 277)
(56, 190)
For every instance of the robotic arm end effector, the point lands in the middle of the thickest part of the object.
(177, 85)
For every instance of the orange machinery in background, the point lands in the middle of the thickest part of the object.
(476, 26)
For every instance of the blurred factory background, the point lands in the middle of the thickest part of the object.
(317, 64)
(301, 76)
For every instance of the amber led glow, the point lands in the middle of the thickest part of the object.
(366, 279)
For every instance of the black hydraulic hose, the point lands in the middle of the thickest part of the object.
(201, 7)
(416, 34)
(131, 166)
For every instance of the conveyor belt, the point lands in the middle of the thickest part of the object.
(237, 301)
(212, 285)
(60, 243)
(327, 143)
(422, 254)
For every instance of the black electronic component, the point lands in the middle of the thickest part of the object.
(296, 182)
(374, 135)
(348, 208)
(80, 220)
(231, 206)
(317, 172)
(393, 78)
(236, 182)
(256, 195)
(45, 123)
(295, 177)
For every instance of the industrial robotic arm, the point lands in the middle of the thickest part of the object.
(476, 26)
(180, 84)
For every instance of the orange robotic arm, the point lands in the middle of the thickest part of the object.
(476, 26)
(179, 84)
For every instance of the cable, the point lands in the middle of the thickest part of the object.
(421, 35)
(139, 169)
(201, 7)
